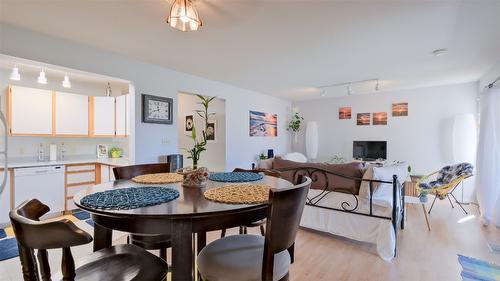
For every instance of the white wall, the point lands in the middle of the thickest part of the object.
(490, 76)
(214, 158)
(153, 140)
(423, 139)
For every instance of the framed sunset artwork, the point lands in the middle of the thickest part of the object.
(363, 119)
(345, 113)
(400, 109)
(379, 118)
(263, 124)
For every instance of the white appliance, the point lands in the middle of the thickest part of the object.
(43, 183)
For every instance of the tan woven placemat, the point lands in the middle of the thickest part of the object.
(158, 178)
(239, 194)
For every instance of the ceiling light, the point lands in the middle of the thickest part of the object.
(440, 52)
(377, 86)
(66, 83)
(14, 75)
(183, 16)
(42, 79)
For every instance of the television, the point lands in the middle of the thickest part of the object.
(369, 150)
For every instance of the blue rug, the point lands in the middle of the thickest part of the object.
(8, 249)
(478, 270)
(129, 198)
(2, 234)
(82, 215)
(235, 177)
(90, 222)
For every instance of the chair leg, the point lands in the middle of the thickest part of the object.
(262, 230)
(459, 204)
(434, 201)
(245, 230)
(291, 252)
(241, 230)
(448, 196)
(163, 254)
(128, 239)
(223, 233)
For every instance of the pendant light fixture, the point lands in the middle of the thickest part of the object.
(14, 75)
(42, 79)
(66, 83)
(183, 16)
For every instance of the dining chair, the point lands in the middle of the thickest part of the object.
(120, 262)
(261, 223)
(159, 242)
(253, 257)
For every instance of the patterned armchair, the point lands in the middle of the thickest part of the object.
(442, 183)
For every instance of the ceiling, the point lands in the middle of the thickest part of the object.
(287, 48)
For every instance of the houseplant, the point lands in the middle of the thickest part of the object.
(294, 124)
(115, 152)
(200, 144)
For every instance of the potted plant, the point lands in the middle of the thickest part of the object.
(423, 196)
(200, 144)
(115, 152)
(294, 124)
(262, 156)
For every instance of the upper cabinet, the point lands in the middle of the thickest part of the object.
(103, 116)
(35, 112)
(121, 116)
(72, 114)
(30, 111)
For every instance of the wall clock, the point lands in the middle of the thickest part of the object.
(156, 109)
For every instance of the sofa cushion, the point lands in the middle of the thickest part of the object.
(331, 182)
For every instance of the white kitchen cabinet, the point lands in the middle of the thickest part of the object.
(128, 109)
(104, 116)
(121, 115)
(5, 202)
(29, 111)
(72, 114)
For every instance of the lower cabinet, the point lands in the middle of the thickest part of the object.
(78, 177)
(107, 174)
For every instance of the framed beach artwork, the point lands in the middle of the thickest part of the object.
(400, 109)
(345, 113)
(188, 123)
(379, 118)
(263, 124)
(363, 119)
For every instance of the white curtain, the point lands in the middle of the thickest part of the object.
(488, 158)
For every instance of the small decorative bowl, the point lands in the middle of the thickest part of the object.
(196, 178)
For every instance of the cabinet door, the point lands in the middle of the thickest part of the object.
(104, 116)
(72, 114)
(30, 111)
(5, 202)
(104, 173)
(127, 112)
(121, 116)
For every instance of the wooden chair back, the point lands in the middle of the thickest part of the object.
(283, 219)
(31, 234)
(266, 172)
(128, 172)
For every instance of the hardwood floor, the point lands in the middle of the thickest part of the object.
(422, 255)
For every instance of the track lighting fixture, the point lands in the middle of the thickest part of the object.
(14, 75)
(42, 79)
(66, 83)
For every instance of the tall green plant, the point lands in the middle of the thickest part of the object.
(294, 124)
(200, 145)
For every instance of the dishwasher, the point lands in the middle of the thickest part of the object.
(43, 183)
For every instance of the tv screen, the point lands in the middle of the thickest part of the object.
(369, 150)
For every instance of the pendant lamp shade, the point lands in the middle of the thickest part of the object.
(183, 16)
(312, 140)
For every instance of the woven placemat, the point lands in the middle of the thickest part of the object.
(235, 177)
(239, 194)
(129, 198)
(158, 178)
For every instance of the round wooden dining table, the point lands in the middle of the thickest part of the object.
(187, 217)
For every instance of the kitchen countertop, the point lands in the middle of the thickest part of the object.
(28, 162)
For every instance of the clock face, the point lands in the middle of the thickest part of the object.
(158, 110)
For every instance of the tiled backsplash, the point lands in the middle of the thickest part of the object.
(23, 147)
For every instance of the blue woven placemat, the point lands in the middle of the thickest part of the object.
(235, 177)
(129, 198)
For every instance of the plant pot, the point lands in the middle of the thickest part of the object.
(116, 154)
(196, 178)
(423, 199)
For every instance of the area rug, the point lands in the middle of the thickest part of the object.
(8, 248)
(478, 270)
(2, 234)
(82, 215)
